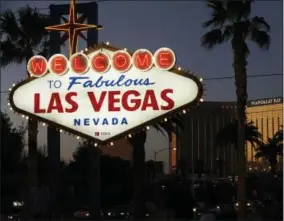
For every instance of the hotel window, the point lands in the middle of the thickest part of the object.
(273, 126)
(261, 128)
(267, 128)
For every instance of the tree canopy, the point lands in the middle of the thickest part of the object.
(272, 149)
(23, 36)
(229, 134)
(230, 19)
(12, 145)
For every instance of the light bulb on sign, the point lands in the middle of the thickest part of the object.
(179, 68)
(184, 111)
(201, 79)
(10, 89)
(107, 43)
(27, 117)
(78, 138)
(43, 124)
(201, 100)
(23, 116)
(166, 119)
(147, 127)
(61, 130)
(8, 104)
(129, 135)
(95, 144)
(14, 85)
(111, 143)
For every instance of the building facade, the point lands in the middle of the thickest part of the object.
(197, 142)
(267, 116)
(121, 148)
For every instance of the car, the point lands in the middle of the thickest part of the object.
(249, 205)
(83, 213)
(118, 213)
(123, 212)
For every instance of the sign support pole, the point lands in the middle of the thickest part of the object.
(53, 135)
(90, 10)
(94, 156)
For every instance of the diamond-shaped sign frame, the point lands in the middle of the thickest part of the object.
(138, 128)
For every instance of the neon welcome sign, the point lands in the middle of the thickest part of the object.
(106, 93)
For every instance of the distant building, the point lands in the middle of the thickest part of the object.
(121, 148)
(267, 115)
(197, 141)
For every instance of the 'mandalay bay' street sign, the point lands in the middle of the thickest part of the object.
(105, 93)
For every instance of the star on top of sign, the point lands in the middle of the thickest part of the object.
(73, 28)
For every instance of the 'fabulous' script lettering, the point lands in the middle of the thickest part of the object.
(86, 82)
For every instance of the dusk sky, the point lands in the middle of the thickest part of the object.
(177, 25)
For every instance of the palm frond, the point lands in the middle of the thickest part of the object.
(238, 10)
(9, 26)
(279, 136)
(261, 38)
(216, 5)
(33, 24)
(23, 36)
(10, 53)
(229, 134)
(212, 38)
(260, 23)
(170, 126)
(160, 129)
(218, 16)
(44, 48)
(228, 32)
(270, 150)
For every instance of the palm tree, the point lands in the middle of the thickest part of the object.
(23, 37)
(138, 162)
(229, 134)
(231, 21)
(271, 150)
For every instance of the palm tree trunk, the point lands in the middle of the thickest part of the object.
(240, 63)
(32, 148)
(94, 181)
(273, 164)
(273, 168)
(138, 166)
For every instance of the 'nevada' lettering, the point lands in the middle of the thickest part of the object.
(100, 121)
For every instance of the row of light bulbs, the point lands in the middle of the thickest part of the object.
(78, 137)
(111, 143)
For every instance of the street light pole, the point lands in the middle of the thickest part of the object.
(156, 152)
(155, 157)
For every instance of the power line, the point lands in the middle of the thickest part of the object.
(250, 76)
(217, 78)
